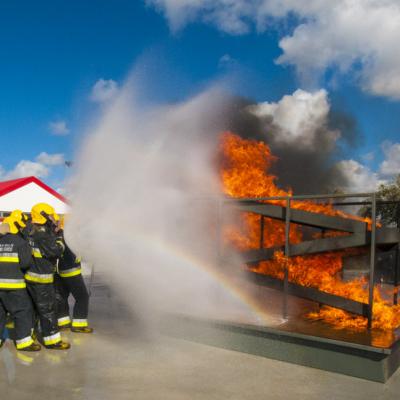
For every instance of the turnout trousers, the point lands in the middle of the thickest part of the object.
(74, 285)
(18, 304)
(44, 301)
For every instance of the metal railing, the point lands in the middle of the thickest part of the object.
(368, 199)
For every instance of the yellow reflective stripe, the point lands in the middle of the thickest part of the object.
(9, 259)
(64, 321)
(23, 343)
(39, 279)
(17, 285)
(37, 254)
(78, 260)
(70, 273)
(53, 339)
(10, 325)
(79, 323)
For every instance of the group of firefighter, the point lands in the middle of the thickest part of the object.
(38, 272)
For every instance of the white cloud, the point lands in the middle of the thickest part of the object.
(41, 167)
(59, 128)
(391, 164)
(368, 156)
(301, 119)
(229, 15)
(50, 159)
(226, 61)
(104, 90)
(351, 35)
(27, 168)
(359, 177)
(362, 178)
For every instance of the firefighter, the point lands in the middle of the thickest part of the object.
(69, 280)
(16, 257)
(40, 276)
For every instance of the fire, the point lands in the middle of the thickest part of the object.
(245, 174)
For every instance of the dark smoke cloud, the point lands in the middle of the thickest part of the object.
(306, 169)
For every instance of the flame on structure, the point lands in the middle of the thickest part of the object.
(245, 173)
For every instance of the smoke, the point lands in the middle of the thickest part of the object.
(306, 135)
(145, 203)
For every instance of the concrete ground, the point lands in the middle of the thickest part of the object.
(116, 362)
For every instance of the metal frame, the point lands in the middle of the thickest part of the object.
(290, 215)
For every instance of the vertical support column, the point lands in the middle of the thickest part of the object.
(372, 261)
(287, 255)
(262, 231)
(396, 276)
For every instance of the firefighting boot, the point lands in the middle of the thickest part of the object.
(81, 329)
(32, 347)
(58, 346)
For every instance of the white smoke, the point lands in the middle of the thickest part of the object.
(300, 119)
(145, 198)
(391, 164)
(359, 177)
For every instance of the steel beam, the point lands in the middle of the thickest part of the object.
(384, 237)
(309, 293)
(306, 248)
(301, 217)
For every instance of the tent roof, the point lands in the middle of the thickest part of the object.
(9, 186)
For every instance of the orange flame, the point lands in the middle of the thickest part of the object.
(245, 174)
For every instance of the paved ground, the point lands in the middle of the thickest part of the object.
(118, 363)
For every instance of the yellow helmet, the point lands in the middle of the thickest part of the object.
(39, 212)
(19, 215)
(13, 224)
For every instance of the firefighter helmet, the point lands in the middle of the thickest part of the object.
(13, 224)
(41, 212)
(19, 215)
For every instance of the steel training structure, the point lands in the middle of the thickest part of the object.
(295, 339)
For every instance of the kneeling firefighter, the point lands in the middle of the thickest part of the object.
(69, 280)
(15, 258)
(40, 276)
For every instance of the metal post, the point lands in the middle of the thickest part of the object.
(287, 255)
(262, 231)
(372, 261)
(396, 276)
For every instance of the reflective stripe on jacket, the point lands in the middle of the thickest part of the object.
(15, 258)
(39, 278)
(69, 264)
(43, 244)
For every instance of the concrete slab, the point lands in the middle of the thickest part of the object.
(119, 362)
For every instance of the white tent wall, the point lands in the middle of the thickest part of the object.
(28, 195)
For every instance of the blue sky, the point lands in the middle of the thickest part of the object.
(54, 52)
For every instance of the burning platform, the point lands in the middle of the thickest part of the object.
(295, 261)
(347, 327)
